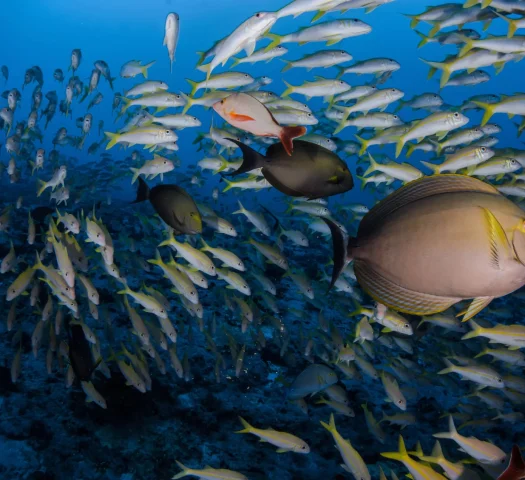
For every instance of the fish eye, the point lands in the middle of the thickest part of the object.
(13, 290)
(407, 325)
(341, 82)
(257, 15)
(456, 114)
(395, 117)
(393, 90)
(483, 149)
(399, 402)
(192, 293)
(309, 114)
(246, 75)
(167, 131)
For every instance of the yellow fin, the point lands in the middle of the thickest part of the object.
(499, 244)
(475, 307)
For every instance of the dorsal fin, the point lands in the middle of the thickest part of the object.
(423, 188)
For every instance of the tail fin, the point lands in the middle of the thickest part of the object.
(372, 167)
(247, 427)
(289, 89)
(113, 139)
(364, 145)
(287, 67)
(126, 104)
(340, 248)
(435, 168)
(489, 111)
(434, 66)
(399, 146)
(229, 185)
(202, 57)
(410, 149)
(235, 62)
(451, 434)
(241, 209)
(41, 187)
(482, 353)
(287, 136)
(189, 102)
(194, 86)
(516, 466)
(469, 45)
(38, 263)
(157, 260)
(185, 471)
(275, 40)
(435, 28)
(205, 246)
(424, 39)
(449, 369)
(136, 174)
(251, 158)
(331, 426)
(144, 68)
(142, 191)
(401, 454)
(437, 451)
(475, 332)
(414, 21)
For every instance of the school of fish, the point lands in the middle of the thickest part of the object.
(416, 279)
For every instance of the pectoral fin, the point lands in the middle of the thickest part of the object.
(499, 244)
(241, 118)
(475, 307)
(249, 48)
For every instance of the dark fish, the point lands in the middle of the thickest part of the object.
(435, 242)
(5, 72)
(311, 171)
(174, 205)
(37, 97)
(28, 77)
(38, 75)
(58, 75)
(80, 355)
(516, 468)
(96, 100)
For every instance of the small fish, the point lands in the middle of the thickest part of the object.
(174, 205)
(247, 113)
(285, 442)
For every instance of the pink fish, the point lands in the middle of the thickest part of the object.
(247, 113)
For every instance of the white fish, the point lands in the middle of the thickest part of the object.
(171, 36)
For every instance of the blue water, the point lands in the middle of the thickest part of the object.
(48, 431)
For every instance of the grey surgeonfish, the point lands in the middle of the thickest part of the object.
(174, 205)
(437, 241)
(312, 171)
(313, 379)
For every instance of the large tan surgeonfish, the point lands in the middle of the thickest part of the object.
(434, 242)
